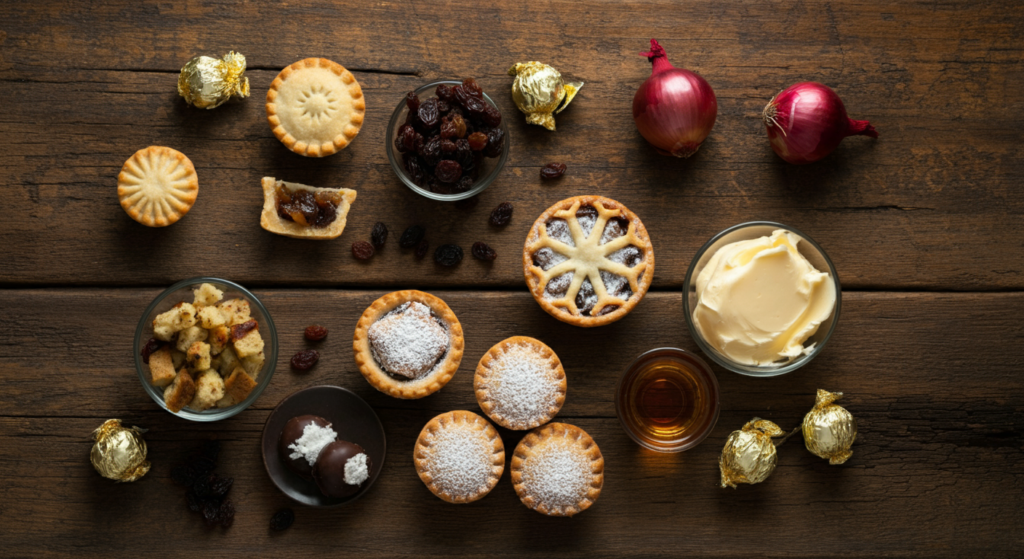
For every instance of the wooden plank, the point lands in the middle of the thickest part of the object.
(934, 204)
(936, 470)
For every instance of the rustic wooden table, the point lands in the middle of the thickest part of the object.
(924, 226)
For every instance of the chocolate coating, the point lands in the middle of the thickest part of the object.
(329, 471)
(293, 431)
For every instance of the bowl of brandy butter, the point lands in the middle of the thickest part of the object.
(667, 400)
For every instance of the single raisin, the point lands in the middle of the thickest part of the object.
(495, 142)
(448, 171)
(470, 86)
(421, 249)
(211, 513)
(428, 114)
(460, 125)
(465, 183)
(151, 346)
(467, 203)
(501, 215)
(378, 235)
(464, 154)
(460, 95)
(431, 152)
(448, 147)
(448, 130)
(552, 171)
(227, 513)
(411, 237)
(412, 140)
(481, 251)
(362, 250)
(239, 331)
(414, 166)
(305, 359)
(491, 116)
(477, 141)
(443, 107)
(400, 137)
(282, 520)
(315, 333)
(475, 106)
(203, 484)
(444, 92)
(448, 256)
(412, 101)
(220, 486)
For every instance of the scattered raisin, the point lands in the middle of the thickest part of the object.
(220, 486)
(305, 359)
(378, 235)
(422, 248)
(211, 513)
(282, 520)
(362, 250)
(448, 171)
(411, 237)
(412, 101)
(315, 333)
(552, 171)
(227, 513)
(481, 251)
(501, 215)
(239, 331)
(151, 346)
(467, 203)
(448, 256)
(477, 141)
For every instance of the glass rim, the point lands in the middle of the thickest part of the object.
(389, 145)
(749, 370)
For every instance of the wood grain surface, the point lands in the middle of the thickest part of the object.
(924, 226)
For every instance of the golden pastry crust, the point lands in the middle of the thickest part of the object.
(483, 469)
(587, 259)
(315, 107)
(271, 221)
(558, 493)
(413, 388)
(157, 186)
(494, 369)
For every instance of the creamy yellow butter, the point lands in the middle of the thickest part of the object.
(759, 300)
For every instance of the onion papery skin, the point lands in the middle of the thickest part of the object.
(807, 121)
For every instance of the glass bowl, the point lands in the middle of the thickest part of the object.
(752, 230)
(490, 168)
(182, 291)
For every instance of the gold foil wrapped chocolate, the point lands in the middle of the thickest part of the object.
(829, 430)
(120, 452)
(208, 82)
(540, 92)
(749, 454)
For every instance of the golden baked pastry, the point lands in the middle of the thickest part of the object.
(459, 456)
(520, 383)
(157, 186)
(408, 344)
(558, 470)
(588, 261)
(329, 217)
(315, 107)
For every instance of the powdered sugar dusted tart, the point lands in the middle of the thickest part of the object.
(520, 383)
(558, 470)
(315, 107)
(157, 186)
(459, 456)
(588, 260)
(408, 344)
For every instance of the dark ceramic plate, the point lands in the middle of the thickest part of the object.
(352, 418)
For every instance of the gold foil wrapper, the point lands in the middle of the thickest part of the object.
(208, 82)
(749, 454)
(540, 92)
(120, 452)
(829, 430)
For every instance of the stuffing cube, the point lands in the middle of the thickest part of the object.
(189, 336)
(178, 358)
(248, 345)
(209, 389)
(161, 367)
(207, 294)
(236, 311)
(198, 357)
(218, 339)
(228, 362)
(180, 392)
(239, 385)
(226, 402)
(210, 317)
(253, 364)
(165, 325)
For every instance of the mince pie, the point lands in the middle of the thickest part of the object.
(520, 383)
(157, 186)
(304, 212)
(558, 470)
(459, 456)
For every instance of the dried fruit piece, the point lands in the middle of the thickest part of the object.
(477, 141)
(552, 171)
(282, 520)
(412, 101)
(211, 513)
(448, 256)
(227, 513)
(481, 251)
(219, 486)
(491, 116)
(151, 346)
(422, 248)
(464, 184)
(431, 152)
(378, 235)
(501, 215)
(448, 171)
(305, 359)
(411, 236)
(428, 114)
(315, 333)
(470, 86)
(448, 147)
(444, 92)
(239, 331)
(362, 250)
(495, 142)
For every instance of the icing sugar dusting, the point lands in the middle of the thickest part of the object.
(559, 474)
(356, 470)
(521, 385)
(558, 229)
(460, 459)
(408, 341)
(314, 438)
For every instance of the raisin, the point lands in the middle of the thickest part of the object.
(448, 148)
(477, 141)
(211, 513)
(470, 86)
(491, 116)
(431, 152)
(428, 114)
(414, 166)
(315, 333)
(460, 95)
(400, 141)
(151, 346)
(443, 107)
(411, 237)
(464, 154)
(448, 171)
(378, 235)
(495, 142)
(465, 183)
(304, 202)
(220, 486)
(305, 359)
(227, 513)
(412, 140)
(362, 250)
(467, 203)
(239, 331)
(481, 251)
(501, 215)
(448, 130)
(444, 92)
(203, 484)
(412, 101)
(183, 475)
(552, 171)
(421, 249)
(475, 106)
(282, 520)
(325, 216)
(460, 125)
(448, 256)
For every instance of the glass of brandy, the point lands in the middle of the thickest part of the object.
(667, 400)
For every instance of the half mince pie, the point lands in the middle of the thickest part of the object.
(304, 212)
(588, 260)
(459, 456)
(408, 344)
(520, 383)
(558, 470)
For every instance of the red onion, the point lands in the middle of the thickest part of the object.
(674, 109)
(808, 120)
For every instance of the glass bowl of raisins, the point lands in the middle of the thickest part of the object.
(240, 313)
(447, 140)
